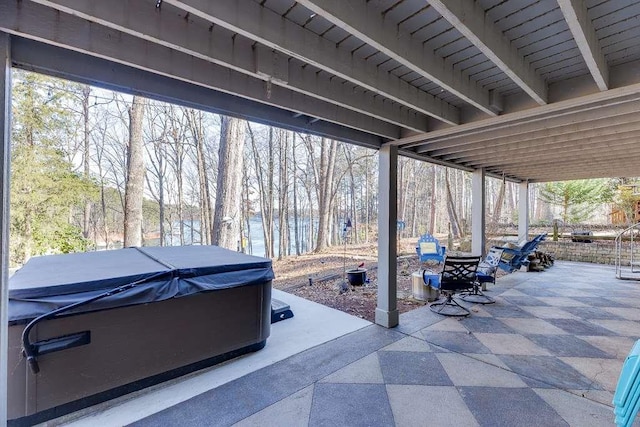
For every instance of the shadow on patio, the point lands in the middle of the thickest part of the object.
(548, 352)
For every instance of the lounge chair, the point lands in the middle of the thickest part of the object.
(429, 248)
(626, 400)
(515, 258)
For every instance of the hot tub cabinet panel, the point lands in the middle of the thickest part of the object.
(134, 346)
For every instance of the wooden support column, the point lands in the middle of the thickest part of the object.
(5, 134)
(387, 310)
(478, 213)
(523, 211)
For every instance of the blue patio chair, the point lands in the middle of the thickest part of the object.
(514, 258)
(429, 248)
(486, 273)
(626, 400)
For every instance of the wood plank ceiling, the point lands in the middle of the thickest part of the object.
(537, 90)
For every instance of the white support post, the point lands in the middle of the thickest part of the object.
(387, 310)
(478, 213)
(523, 211)
(5, 133)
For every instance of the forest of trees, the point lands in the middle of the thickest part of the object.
(93, 169)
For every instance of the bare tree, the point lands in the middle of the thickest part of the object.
(497, 212)
(456, 229)
(197, 131)
(135, 176)
(226, 220)
(86, 93)
(176, 132)
(283, 199)
(325, 186)
(157, 154)
(307, 178)
(294, 169)
(264, 178)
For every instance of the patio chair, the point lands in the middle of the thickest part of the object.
(458, 273)
(626, 400)
(486, 273)
(429, 248)
(515, 258)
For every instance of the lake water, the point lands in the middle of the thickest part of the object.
(192, 235)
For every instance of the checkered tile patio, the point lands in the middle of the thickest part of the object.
(547, 353)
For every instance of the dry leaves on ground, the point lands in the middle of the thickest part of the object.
(320, 278)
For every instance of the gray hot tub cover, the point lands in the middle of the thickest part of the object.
(49, 282)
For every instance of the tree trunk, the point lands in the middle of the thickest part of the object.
(177, 136)
(296, 234)
(310, 233)
(226, 219)
(325, 186)
(285, 192)
(451, 209)
(161, 206)
(205, 195)
(282, 184)
(497, 212)
(270, 251)
(86, 93)
(266, 210)
(351, 208)
(432, 203)
(245, 238)
(134, 188)
(366, 205)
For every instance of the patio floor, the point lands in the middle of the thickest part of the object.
(547, 353)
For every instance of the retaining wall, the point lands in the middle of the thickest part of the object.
(595, 252)
(602, 252)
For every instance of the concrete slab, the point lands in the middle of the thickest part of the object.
(350, 404)
(627, 328)
(460, 342)
(364, 371)
(292, 411)
(405, 367)
(490, 359)
(409, 344)
(576, 410)
(604, 371)
(521, 407)
(465, 371)
(625, 313)
(450, 324)
(582, 327)
(568, 345)
(485, 324)
(618, 347)
(511, 344)
(533, 326)
(549, 372)
(416, 405)
(562, 301)
(549, 312)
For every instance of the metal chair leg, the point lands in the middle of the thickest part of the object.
(440, 307)
(476, 296)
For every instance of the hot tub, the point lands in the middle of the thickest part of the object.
(153, 314)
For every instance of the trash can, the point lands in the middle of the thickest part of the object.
(424, 292)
